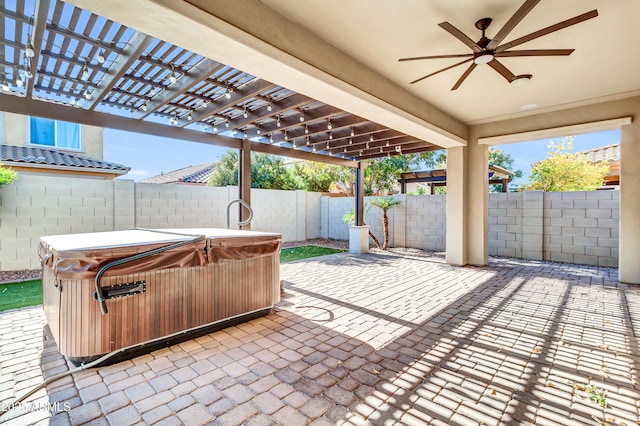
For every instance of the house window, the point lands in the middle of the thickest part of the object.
(59, 134)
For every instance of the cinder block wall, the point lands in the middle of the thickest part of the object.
(582, 227)
(418, 222)
(43, 205)
(37, 206)
(576, 227)
(179, 206)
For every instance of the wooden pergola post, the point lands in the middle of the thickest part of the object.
(244, 180)
(359, 232)
(359, 192)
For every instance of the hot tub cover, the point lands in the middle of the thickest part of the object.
(81, 256)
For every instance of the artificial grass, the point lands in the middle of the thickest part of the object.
(305, 252)
(20, 294)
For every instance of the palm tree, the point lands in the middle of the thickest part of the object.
(385, 204)
(350, 218)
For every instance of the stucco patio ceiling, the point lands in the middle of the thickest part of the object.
(377, 33)
(90, 69)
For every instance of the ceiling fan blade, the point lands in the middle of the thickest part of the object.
(460, 36)
(439, 71)
(502, 70)
(548, 30)
(512, 22)
(417, 58)
(538, 52)
(464, 76)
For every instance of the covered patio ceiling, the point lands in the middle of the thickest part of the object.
(86, 68)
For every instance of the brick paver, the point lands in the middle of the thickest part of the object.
(376, 339)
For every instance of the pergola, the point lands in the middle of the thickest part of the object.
(497, 176)
(86, 68)
(321, 81)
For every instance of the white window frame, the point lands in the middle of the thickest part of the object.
(29, 142)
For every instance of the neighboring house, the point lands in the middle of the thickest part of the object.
(191, 175)
(609, 154)
(43, 146)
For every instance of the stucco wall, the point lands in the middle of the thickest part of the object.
(15, 131)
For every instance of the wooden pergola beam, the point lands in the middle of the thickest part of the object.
(37, 36)
(138, 43)
(238, 95)
(188, 81)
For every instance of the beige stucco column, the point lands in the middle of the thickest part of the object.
(467, 204)
(629, 263)
(456, 243)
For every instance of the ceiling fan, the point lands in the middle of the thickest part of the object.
(486, 50)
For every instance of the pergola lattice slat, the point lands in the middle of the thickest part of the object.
(147, 81)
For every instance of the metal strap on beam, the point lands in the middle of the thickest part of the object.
(136, 45)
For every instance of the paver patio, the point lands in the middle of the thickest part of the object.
(382, 338)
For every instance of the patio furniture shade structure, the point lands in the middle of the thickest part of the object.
(497, 176)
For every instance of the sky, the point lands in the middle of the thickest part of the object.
(150, 155)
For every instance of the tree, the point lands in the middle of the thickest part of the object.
(385, 204)
(7, 175)
(226, 171)
(382, 174)
(319, 177)
(563, 170)
(497, 157)
(267, 172)
(350, 218)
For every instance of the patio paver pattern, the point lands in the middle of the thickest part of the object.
(383, 338)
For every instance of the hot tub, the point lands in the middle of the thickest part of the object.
(155, 287)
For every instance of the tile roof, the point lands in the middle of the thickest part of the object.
(603, 153)
(200, 174)
(53, 157)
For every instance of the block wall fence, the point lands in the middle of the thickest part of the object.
(44, 205)
(574, 227)
(578, 227)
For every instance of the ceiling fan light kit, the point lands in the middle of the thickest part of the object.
(521, 80)
(484, 58)
(487, 51)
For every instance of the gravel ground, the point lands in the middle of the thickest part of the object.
(24, 275)
(13, 276)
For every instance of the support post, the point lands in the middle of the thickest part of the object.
(362, 165)
(359, 233)
(467, 204)
(629, 235)
(244, 180)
